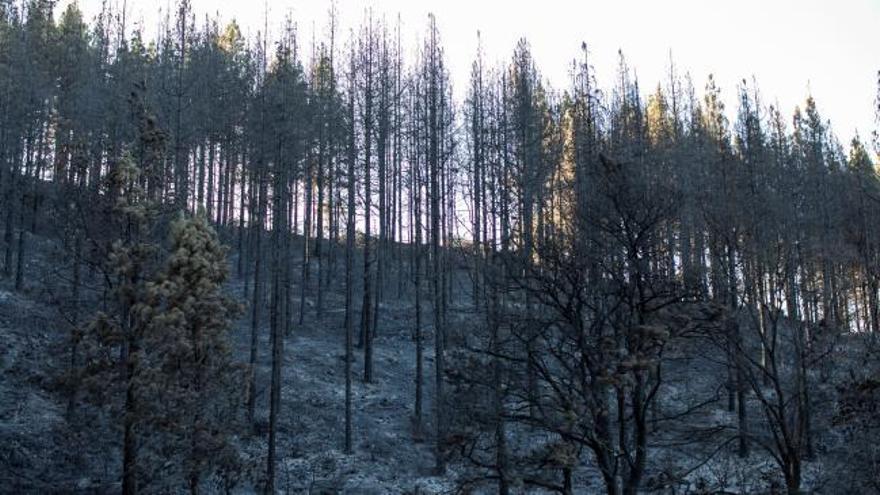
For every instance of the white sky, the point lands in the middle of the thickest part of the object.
(830, 48)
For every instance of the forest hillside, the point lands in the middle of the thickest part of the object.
(231, 264)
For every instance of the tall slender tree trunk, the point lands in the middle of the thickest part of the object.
(366, 307)
(417, 284)
(257, 298)
(349, 267)
(439, 334)
(307, 232)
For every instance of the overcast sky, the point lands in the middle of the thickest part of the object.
(793, 47)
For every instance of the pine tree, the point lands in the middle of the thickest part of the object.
(130, 263)
(191, 378)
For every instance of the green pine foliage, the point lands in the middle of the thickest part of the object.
(166, 348)
(190, 380)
